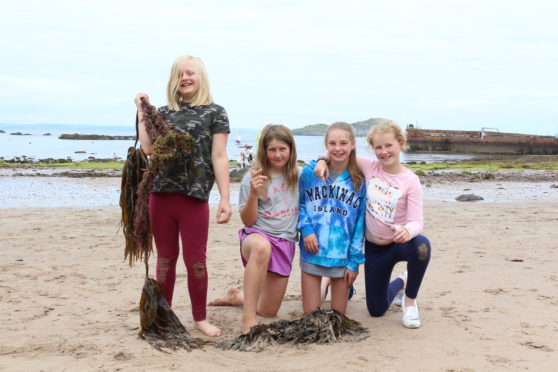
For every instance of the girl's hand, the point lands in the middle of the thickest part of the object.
(224, 212)
(350, 277)
(138, 98)
(311, 243)
(321, 171)
(400, 234)
(257, 181)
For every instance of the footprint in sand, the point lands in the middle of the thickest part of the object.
(537, 346)
(498, 360)
(495, 291)
(442, 294)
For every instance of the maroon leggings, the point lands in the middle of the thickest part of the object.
(171, 215)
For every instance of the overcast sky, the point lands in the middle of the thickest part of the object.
(442, 64)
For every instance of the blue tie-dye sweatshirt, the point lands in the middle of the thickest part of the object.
(335, 213)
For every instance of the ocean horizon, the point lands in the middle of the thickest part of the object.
(36, 145)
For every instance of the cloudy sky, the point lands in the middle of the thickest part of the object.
(441, 64)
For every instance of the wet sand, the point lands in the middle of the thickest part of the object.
(488, 301)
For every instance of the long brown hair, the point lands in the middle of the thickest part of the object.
(277, 132)
(354, 171)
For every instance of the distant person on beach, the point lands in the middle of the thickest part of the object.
(242, 159)
(249, 155)
(178, 203)
(394, 221)
(268, 202)
(331, 222)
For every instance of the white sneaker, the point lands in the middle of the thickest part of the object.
(411, 316)
(398, 300)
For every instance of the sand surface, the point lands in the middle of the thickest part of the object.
(489, 300)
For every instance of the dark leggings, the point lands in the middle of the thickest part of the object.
(172, 215)
(380, 260)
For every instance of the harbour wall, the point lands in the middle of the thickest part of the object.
(477, 142)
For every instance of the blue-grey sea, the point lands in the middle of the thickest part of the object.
(36, 145)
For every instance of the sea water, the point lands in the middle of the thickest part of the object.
(36, 145)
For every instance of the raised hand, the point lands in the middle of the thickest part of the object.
(138, 98)
(257, 181)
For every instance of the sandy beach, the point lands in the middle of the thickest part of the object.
(489, 300)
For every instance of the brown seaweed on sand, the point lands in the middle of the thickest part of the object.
(318, 327)
(159, 325)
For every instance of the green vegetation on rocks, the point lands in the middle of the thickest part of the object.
(361, 128)
(311, 130)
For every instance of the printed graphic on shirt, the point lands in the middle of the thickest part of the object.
(283, 208)
(333, 192)
(382, 200)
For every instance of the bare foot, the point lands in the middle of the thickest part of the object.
(234, 297)
(247, 324)
(207, 328)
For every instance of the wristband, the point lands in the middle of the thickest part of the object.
(323, 158)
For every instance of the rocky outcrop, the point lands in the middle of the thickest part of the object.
(98, 137)
(236, 174)
(468, 198)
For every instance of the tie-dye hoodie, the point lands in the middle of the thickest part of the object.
(335, 213)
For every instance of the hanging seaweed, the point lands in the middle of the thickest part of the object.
(318, 327)
(169, 144)
(132, 173)
(159, 325)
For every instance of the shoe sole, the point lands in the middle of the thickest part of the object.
(411, 326)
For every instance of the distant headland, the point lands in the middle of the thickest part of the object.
(361, 128)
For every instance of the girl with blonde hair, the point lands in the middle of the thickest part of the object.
(178, 203)
(394, 221)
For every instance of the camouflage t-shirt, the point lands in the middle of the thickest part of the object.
(201, 122)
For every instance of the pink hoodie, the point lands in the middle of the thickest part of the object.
(391, 199)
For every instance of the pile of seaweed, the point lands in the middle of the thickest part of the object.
(318, 327)
(159, 324)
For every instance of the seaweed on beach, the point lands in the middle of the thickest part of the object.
(318, 327)
(132, 173)
(159, 324)
(169, 144)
